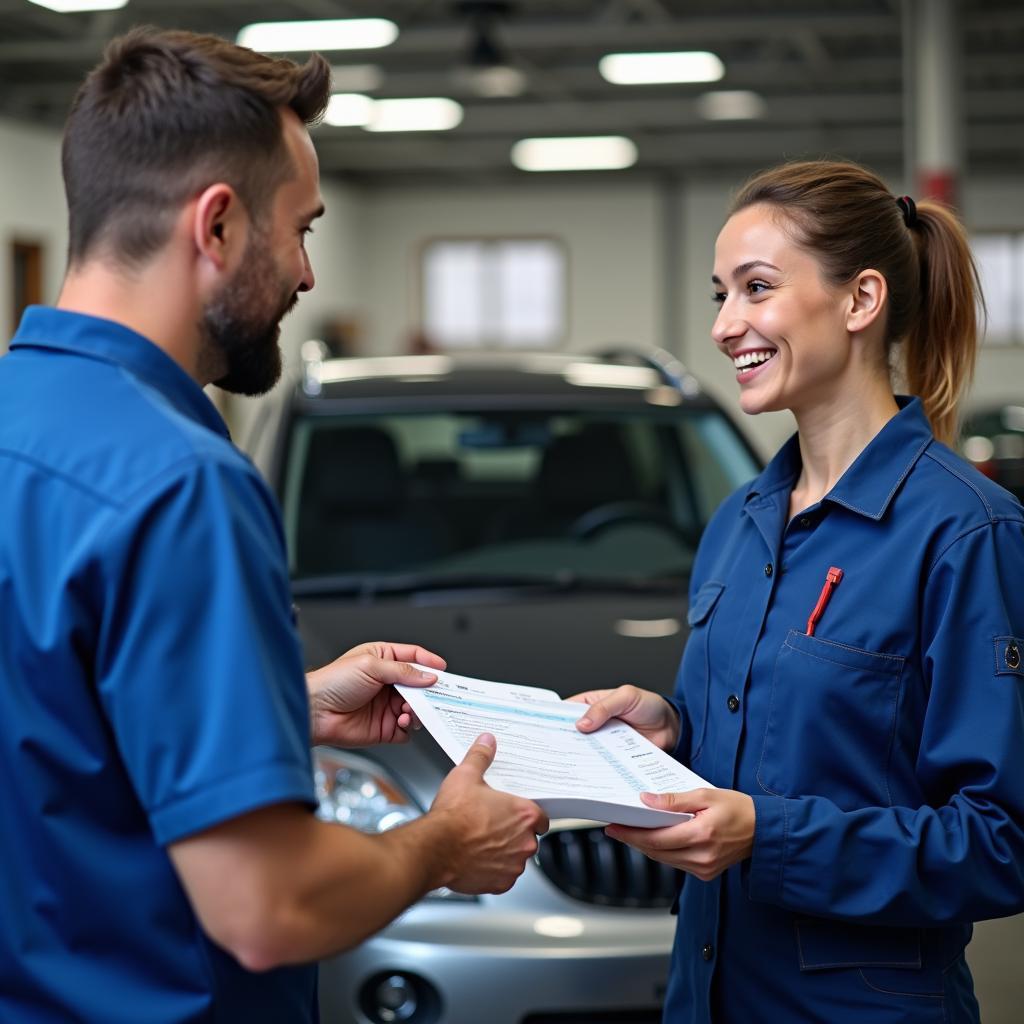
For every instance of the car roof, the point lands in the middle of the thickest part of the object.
(496, 379)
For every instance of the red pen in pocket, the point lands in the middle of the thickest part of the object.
(832, 579)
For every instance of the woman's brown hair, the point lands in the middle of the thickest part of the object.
(166, 114)
(849, 220)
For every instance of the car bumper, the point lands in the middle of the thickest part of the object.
(477, 962)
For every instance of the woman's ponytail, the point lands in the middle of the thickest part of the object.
(940, 346)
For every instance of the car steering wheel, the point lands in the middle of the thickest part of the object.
(613, 513)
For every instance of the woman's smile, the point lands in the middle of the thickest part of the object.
(750, 362)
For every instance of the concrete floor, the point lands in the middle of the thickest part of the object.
(996, 956)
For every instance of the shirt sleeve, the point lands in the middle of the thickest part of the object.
(960, 856)
(198, 665)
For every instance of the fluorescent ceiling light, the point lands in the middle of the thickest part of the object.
(72, 6)
(731, 105)
(333, 34)
(659, 68)
(587, 153)
(356, 77)
(348, 108)
(495, 81)
(423, 114)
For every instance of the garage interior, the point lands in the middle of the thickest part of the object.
(930, 93)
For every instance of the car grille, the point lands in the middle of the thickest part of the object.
(589, 866)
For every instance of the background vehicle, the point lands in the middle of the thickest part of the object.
(534, 520)
(993, 439)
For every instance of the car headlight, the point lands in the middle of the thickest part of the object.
(354, 790)
(358, 792)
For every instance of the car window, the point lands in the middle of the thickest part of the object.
(510, 493)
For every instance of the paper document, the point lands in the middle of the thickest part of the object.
(542, 756)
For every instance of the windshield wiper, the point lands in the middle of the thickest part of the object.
(373, 585)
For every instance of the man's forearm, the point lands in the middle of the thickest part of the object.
(278, 886)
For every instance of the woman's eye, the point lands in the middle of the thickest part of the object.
(756, 287)
(718, 298)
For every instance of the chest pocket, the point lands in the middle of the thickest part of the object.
(831, 722)
(696, 674)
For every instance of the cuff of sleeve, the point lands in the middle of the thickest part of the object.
(681, 751)
(769, 854)
(231, 797)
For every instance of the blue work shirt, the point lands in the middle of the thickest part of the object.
(151, 681)
(884, 752)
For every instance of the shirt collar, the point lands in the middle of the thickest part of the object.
(108, 341)
(869, 484)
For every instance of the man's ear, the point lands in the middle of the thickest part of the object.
(220, 225)
(868, 295)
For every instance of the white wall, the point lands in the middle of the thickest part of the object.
(609, 230)
(31, 209)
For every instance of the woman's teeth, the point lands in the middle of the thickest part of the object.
(745, 359)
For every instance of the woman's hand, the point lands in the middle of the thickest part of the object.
(720, 833)
(650, 714)
(352, 701)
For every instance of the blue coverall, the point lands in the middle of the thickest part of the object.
(884, 751)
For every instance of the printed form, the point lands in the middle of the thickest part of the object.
(541, 754)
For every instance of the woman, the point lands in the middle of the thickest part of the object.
(852, 681)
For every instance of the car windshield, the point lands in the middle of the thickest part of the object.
(440, 498)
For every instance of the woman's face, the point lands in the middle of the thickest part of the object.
(782, 325)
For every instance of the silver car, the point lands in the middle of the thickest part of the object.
(533, 519)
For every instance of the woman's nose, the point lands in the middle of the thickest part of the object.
(727, 325)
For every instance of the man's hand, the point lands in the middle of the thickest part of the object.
(496, 834)
(352, 703)
(720, 834)
(650, 714)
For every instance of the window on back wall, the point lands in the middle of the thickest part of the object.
(494, 293)
(1000, 259)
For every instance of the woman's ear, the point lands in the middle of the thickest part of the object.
(868, 295)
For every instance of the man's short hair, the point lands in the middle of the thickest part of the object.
(164, 115)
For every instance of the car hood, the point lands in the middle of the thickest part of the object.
(566, 643)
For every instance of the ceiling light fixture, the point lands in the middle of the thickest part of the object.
(731, 105)
(660, 68)
(74, 6)
(584, 153)
(487, 70)
(422, 114)
(348, 109)
(331, 34)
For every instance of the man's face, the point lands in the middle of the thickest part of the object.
(242, 324)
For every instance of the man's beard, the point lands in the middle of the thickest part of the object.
(241, 326)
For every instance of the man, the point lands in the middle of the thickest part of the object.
(159, 860)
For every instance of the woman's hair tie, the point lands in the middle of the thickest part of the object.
(909, 210)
